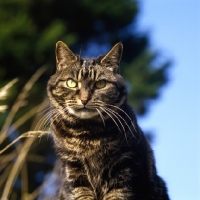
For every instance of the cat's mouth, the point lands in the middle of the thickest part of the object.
(83, 113)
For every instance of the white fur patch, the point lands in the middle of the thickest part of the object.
(85, 114)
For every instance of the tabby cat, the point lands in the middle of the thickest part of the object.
(102, 151)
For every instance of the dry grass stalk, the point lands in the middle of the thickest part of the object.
(4, 93)
(20, 101)
(25, 135)
(4, 90)
(19, 154)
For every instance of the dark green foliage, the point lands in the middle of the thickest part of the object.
(29, 30)
(144, 80)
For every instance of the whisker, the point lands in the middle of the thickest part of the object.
(44, 119)
(47, 121)
(123, 120)
(109, 114)
(42, 111)
(124, 113)
(102, 117)
(81, 50)
(40, 122)
(55, 117)
(114, 114)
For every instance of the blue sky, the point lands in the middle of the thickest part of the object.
(174, 29)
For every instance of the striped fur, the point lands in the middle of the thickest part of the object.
(103, 153)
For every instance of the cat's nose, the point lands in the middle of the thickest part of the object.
(84, 100)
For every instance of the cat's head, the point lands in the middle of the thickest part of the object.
(84, 88)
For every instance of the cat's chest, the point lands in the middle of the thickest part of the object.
(85, 142)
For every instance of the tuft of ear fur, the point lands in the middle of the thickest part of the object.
(64, 55)
(113, 57)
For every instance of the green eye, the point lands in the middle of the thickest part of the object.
(71, 83)
(100, 84)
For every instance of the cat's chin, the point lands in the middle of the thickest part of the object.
(83, 113)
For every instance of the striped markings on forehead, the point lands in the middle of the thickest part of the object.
(87, 70)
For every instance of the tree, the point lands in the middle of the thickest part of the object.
(29, 31)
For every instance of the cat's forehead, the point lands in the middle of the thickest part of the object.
(85, 68)
(86, 62)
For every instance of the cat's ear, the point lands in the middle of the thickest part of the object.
(64, 55)
(113, 57)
